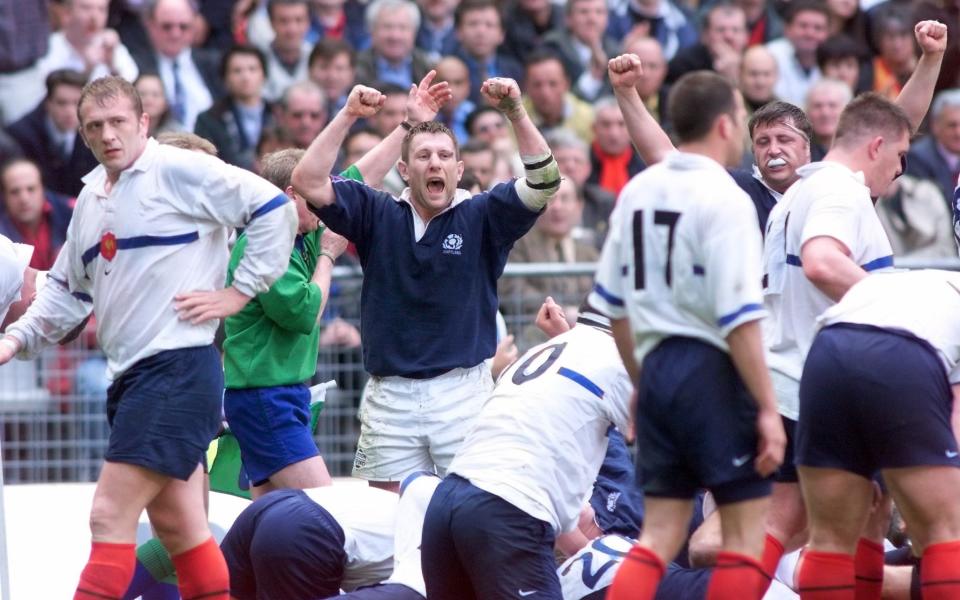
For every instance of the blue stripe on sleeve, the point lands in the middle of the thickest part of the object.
(81, 296)
(583, 380)
(793, 259)
(607, 295)
(277, 202)
(727, 319)
(143, 241)
(90, 253)
(878, 263)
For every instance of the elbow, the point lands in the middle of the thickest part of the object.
(816, 270)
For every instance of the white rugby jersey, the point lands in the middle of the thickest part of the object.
(368, 517)
(414, 500)
(683, 255)
(159, 233)
(14, 259)
(926, 303)
(540, 439)
(829, 200)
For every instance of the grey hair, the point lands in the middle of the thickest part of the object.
(605, 102)
(374, 9)
(303, 86)
(561, 138)
(944, 100)
(830, 84)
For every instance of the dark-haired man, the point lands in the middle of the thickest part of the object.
(426, 351)
(687, 307)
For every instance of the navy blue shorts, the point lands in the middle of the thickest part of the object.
(284, 546)
(478, 546)
(165, 410)
(272, 426)
(696, 425)
(383, 591)
(787, 473)
(617, 500)
(874, 399)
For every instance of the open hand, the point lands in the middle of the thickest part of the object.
(198, 307)
(426, 99)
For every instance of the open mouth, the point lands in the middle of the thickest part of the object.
(436, 185)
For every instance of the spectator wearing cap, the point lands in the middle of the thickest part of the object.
(48, 135)
(796, 51)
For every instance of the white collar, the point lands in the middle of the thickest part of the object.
(810, 169)
(419, 225)
(759, 177)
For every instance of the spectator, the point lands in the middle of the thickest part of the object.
(338, 20)
(48, 135)
(272, 139)
(573, 157)
(796, 52)
(584, 48)
(235, 121)
(651, 88)
(897, 53)
(840, 58)
(549, 100)
(917, 219)
(393, 111)
(24, 34)
(550, 240)
(758, 76)
(357, 143)
(825, 101)
(480, 159)
(937, 156)
(763, 22)
(85, 44)
(454, 113)
(32, 215)
(289, 52)
(9, 148)
(612, 154)
(662, 20)
(527, 22)
(480, 34)
(489, 125)
(190, 76)
(302, 112)
(155, 104)
(720, 47)
(392, 57)
(846, 18)
(437, 35)
(332, 66)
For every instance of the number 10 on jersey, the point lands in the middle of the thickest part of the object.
(665, 218)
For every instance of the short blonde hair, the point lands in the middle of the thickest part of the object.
(99, 90)
(187, 141)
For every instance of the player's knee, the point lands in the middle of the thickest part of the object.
(109, 519)
(703, 552)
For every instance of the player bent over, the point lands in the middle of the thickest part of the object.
(876, 395)
(682, 263)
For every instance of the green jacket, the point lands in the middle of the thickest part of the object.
(274, 339)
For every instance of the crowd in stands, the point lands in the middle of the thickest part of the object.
(255, 76)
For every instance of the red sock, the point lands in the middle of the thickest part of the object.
(940, 571)
(108, 571)
(772, 553)
(638, 576)
(202, 572)
(737, 577)
(868, 568)
(826, 576)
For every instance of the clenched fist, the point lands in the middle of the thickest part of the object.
(504, 94)
(931, 36)
(364, 102)
(625, 71)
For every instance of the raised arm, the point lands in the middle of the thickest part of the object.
(542, 175)
(423, 104)
(648, 137)
(917, 93)
(311, 177)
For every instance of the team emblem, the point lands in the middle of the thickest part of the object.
(452, 244)
(108, 245)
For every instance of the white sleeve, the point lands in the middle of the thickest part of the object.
(609, 293)
(224, 195)
(732, 258)
(835, 216)
(619, 403)
(60, 306)
(11, 281)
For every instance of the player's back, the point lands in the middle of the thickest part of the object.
(683, 256)
(828, 201)
(540, 439)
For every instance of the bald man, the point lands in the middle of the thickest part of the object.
(758, 76)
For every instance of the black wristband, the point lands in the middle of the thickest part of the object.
(406, 125)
